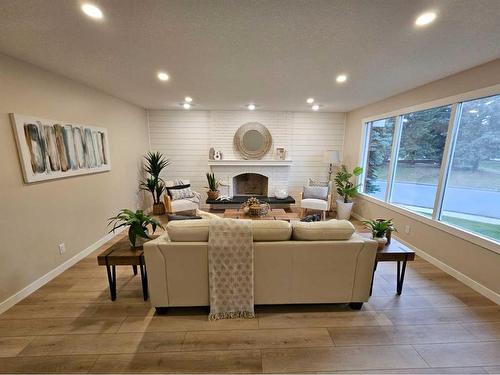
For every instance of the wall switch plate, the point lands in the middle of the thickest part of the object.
(62, 248)
(407, 229)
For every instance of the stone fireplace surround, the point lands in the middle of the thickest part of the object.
(276, 171)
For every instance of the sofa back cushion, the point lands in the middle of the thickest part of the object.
(271, 230)
(188, 230)
(323, 230)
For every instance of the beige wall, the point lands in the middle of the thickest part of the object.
(35, 218)
(476, 262)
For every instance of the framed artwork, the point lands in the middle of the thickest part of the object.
(50, 149)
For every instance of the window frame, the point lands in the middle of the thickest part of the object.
(449, 148)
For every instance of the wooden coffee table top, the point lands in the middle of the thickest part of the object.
(273, 214)
(121, 254)
(393, 252)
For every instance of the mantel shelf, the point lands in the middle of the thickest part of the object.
(258, 163)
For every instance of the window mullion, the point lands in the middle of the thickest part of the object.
(449, 148)
(394, 155)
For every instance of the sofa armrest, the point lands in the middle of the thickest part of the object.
(157, 271)
(364, 270)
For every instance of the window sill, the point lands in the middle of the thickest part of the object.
(455, 231)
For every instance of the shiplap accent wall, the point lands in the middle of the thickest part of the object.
(186, 137)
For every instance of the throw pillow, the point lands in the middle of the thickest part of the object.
(181, 193)
(316, 192)
(176, 187)
(329, 184)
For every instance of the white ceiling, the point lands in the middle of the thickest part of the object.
(276, 53)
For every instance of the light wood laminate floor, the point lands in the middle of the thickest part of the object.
(438, 325)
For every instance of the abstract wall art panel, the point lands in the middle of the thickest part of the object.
(51, 149)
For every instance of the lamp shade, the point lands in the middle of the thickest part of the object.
(331, 157)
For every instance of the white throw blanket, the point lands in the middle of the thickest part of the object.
(230, 266)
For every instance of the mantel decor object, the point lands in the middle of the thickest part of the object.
(252, 140)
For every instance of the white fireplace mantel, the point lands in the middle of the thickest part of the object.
(250, 163)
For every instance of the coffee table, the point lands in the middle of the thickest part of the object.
(273, 214)
(121, 254)
(394, 252)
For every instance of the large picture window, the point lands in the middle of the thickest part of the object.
(453, 178)
(421, 146)
(472, 193)
(380, 135)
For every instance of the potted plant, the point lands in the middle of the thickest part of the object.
(137, 222)
(155, 163)
(346, 189)
(213, 186)
(380, 228)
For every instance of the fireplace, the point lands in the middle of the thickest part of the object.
(250, 184)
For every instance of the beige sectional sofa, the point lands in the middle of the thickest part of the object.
(321, 262)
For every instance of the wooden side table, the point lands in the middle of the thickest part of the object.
(121, 254)
(394, 252)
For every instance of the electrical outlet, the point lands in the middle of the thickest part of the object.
(407, 229)
(62, 248)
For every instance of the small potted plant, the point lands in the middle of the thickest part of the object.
(137, 222)
(213, 186)
(346, 189)
(155, 163)
(380, 228)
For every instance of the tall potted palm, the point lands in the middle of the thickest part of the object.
(347, 189)
(154, 165)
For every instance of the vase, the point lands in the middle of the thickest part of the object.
(344, 209)
(381, 241)
(158, 208)
(213, 195)
(281, 193)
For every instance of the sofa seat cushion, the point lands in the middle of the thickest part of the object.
(271, 230)
(314, 204)
(188, 230)
(323, 230)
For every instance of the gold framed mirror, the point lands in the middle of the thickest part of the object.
(253, 140)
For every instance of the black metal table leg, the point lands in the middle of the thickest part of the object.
(401, 277)
(144, 279)
(373, 277)
(111, 270)
(134, 268)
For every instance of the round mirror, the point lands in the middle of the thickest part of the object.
(253, 140)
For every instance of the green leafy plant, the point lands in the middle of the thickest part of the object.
(380, 227)
(345, 187)
(155, 163)
(213, 183)
(137, 222)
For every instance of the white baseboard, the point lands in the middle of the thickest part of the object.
(37, 284)
(480, 288)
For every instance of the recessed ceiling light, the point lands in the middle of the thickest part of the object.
(341, 78)
(425, 18)
(186, 105)
(188, 99)
(92, 11)
(315, 107)
(162, 76)
(251, 107)
(310, 100)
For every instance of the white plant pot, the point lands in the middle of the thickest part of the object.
(344, 210)
(381, 241)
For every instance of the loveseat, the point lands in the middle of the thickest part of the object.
(303, 263)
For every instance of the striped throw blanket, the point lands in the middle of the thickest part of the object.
(230, 266)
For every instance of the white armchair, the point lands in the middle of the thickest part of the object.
(316, 204)
(179, 205)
